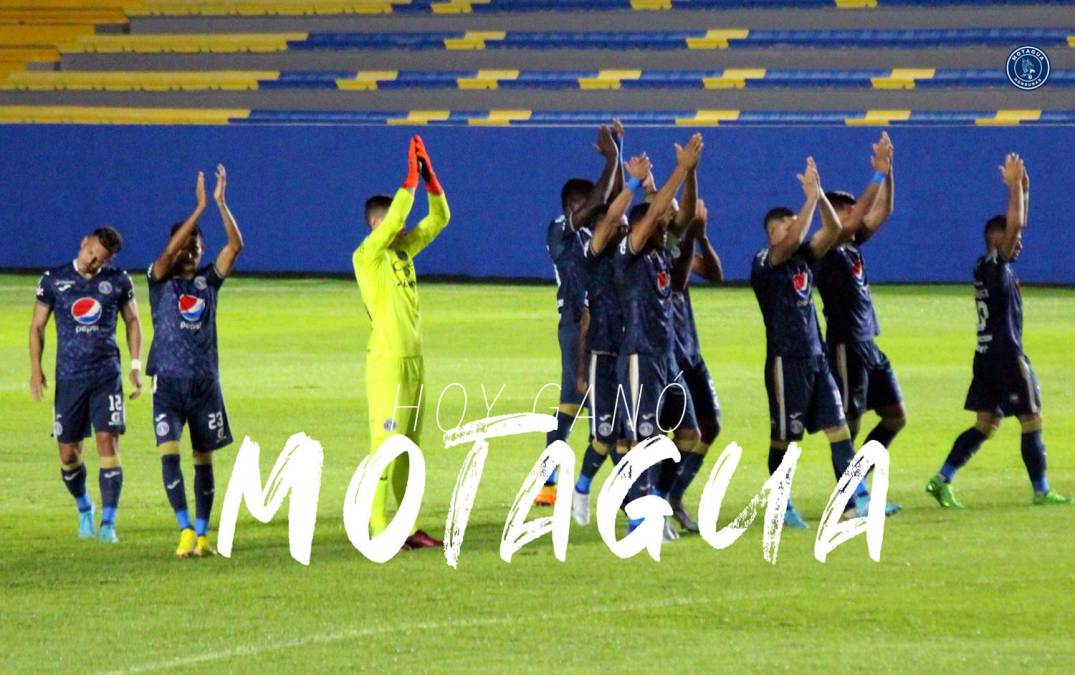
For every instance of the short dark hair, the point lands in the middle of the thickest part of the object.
(637, 212)
(993, 224)
(575, 187)
(776, 213)
(840, 199)
(377, 203)
(197, 231)
(110, 238)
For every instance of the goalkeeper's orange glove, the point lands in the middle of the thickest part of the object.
(411, 181)
(425, 167)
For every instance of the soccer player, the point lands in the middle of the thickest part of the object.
(384, 268)
(643, 271)
(87, 295)
(696, 255)
(801, 390)
(862, 371)
(183, 361)
(1004, 382)
(580, 200)
(602, 334)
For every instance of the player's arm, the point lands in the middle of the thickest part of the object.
(1012, 173)
(164, 263)
(855, 220)
(638, 168)
(439, 214)
(825, 238)
(707, 265)
(38, 321)
(606, 146)
(1026, 194)
(133, 323)
(619, 176)
(225, 260)
(686, 159)
(684, 263)
(885, 202)
(581, 375)
(381, 237)
(783, 250)
(687, 206)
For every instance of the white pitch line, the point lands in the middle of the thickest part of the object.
(355, 633)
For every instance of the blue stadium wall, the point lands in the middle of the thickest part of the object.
(298, 191)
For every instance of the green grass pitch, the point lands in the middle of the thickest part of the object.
(991, 588)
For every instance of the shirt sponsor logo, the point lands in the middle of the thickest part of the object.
(662, 280)
(801, 282)
(857, 269)
(86, 312)
(191, 308)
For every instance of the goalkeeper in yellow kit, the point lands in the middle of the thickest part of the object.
(384, 268)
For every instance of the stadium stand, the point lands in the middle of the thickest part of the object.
(530, 61)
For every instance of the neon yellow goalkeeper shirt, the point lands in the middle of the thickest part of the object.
(384, 269)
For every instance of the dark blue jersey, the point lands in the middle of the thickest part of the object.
(606, 314)
(1000, 306)
(184, 324)
(644, 281)
(785, 297)
(687, 350)
(845, 290)
(562, 245)
(86, 311)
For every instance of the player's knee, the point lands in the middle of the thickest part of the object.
(853, 426)
(894, 422)
(600, 447)
(988, 428)
(169, 448)
(1030, 423)
(70, 454)
(686, 436)
(107, 444)
(779, 444)
(203, 458)
(837, 434)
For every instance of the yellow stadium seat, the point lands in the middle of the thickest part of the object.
(231, 80)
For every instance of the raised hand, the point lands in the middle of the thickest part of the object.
(1012, 170)
(810, 180)
(1026, 180)
(881, 160)
(689, 156)
(605, 144)
(649, 183)
(639, 167)
(701, 218)
(221, 183)
(199, 190)
(617, 127)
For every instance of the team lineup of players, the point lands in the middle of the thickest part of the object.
(629, 345)
(628, 340)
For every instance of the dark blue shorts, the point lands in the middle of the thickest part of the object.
(802, 395)
(1004, 384)
(568, 334)
(657, 400)
(605, 390)
(865, 377)
(703, 393)
(85, 401)
(199, 404)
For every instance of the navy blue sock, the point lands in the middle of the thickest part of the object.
(561, 433)
(75, 482)
(776, 455)
(882, 435)
(842, 454)
(111, 480)
(689, 465)
(591, 462)
(1034, 458)
(967, 443)
(665, 477)
(204, 486)
(176, 489)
